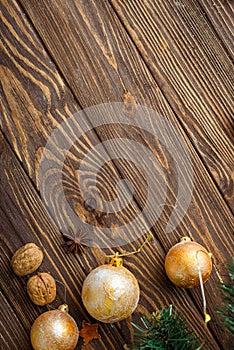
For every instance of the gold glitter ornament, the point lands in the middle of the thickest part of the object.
(183, 262)
(54, 329)
(110, 292)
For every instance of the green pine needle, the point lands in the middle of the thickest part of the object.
(226, 311)
(165, 330)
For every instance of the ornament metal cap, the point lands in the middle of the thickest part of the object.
(116, 261)
(185, 239)
(63, 308)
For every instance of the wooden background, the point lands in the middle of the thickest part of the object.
(59, 57)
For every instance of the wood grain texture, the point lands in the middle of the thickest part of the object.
(102, 65)
(220, 14)
(10, 321)
(31, 222)
(39, 127)
(195, 73)
(104, 18)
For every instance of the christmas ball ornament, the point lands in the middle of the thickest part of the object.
(185, 260)
(110, 292)
(54, 329)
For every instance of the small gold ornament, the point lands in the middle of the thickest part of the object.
(110, 292)
(189, 265)
(183, 261)
(55, 329)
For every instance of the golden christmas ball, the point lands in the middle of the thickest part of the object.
(54, 329)
(183, 262)
(110, 292)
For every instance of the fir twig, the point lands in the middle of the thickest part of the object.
(165, 330)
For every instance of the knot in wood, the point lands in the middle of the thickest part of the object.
(90, 204)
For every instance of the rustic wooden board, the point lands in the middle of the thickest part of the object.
(101, 66)
(20, 339)
(23, 219)
(194, 72)
(220, 14)
(27, 221)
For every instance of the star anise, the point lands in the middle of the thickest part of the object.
(76, 242)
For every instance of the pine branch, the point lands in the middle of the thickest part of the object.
(165, 330)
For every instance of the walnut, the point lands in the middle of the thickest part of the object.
(27, 259)
(41, 288)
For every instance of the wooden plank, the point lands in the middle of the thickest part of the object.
(195, 73)
(9, 340)
(83, 92)
(220, 14)
(75, 12)
(22, 211)
(36, 80)
(24, 219)
(217, 208)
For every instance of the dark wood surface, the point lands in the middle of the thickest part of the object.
(60, 57)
